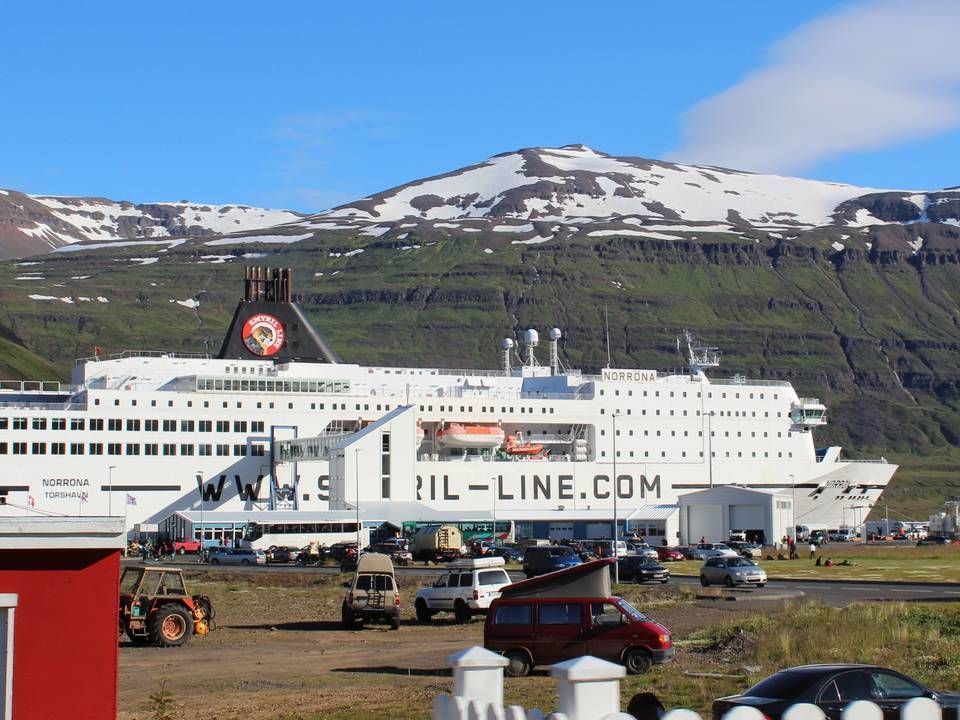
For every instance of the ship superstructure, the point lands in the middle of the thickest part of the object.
(276, 422)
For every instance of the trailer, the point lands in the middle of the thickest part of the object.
(437, 542)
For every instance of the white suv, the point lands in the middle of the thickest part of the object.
(467, 589)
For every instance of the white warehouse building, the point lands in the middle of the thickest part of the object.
(764, 515)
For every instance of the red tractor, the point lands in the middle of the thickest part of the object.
(155, 608)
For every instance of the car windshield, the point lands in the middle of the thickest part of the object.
(740, 562)
(782, 685)
(630, 610)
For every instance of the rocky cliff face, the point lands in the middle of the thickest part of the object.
(36, 224)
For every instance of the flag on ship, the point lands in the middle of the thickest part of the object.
(97, 350)
(131, 500)
(31, 501)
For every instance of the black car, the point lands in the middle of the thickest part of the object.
(934, 540)
(641, 569)
(509, 554)
(832, 688)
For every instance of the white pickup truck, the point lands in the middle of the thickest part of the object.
(466, 589)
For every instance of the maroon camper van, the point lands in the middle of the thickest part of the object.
(569, 613)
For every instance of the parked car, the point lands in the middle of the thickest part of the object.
(709, 550)
(542, 559)
(467, 589)
(338, 551)
(509, 554)
(373, 594)
(832, 688)
(398, 554)
(747, 549)
(282, 554)
(640, 568)
(643, 549)
(669, 554)
(237, 556)
(732, 571)
(537, 630)
(934, 540)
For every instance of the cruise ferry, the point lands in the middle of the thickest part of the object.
(277, 422)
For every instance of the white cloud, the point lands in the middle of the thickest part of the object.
(866, 77)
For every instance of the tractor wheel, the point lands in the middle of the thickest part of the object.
(637, 661)
(461, 612)
(171, 626)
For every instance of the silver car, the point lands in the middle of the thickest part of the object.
(237, 556)
(732, 571)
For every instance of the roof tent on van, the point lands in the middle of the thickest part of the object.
(588, 580)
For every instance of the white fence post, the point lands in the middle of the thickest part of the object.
(478, 676)
(588, 688)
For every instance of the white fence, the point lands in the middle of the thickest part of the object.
(589, 689)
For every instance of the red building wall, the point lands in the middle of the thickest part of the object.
(65, 632)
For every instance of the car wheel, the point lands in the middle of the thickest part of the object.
(519, 663)
(214, 561)
(423, 612)
(395, 623)
(181, 551)
(728, 581)
(637, 661)
(704, 581)
(244, 562)
(347, 617)
(461, 612)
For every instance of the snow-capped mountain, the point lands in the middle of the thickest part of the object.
(540, 193)
(34, 224)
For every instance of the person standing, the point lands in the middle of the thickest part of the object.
(813, 550)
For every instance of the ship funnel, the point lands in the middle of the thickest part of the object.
(555, 336)
(531, 338)
(507, 345)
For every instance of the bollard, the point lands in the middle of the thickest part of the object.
(478, 676)
(588, 688)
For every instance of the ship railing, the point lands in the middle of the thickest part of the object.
(142, 353)
(50, 386)
(808, 401)
(876, 461)
(748, 381)
(26, 405)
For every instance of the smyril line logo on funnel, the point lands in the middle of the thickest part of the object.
(263, 335)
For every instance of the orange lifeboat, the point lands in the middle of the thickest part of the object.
(516, 446)
(456, 435)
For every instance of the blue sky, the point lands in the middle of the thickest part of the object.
(306, 105)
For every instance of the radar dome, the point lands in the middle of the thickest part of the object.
(506, 343)
(555, 334)
(531, 338)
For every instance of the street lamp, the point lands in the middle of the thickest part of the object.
(793, 507)
(110, 489)
(616, 529)
(203, 544)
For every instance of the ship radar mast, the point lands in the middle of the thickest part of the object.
(700, 356)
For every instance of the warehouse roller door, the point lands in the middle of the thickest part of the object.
(748, 517)
(705, 521)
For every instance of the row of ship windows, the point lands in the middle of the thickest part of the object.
(259, 405)
(672, 413)
(713, 433)
(663, 454)
(133, 424)
(59, 448)
(723, 395)
(307, 386)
